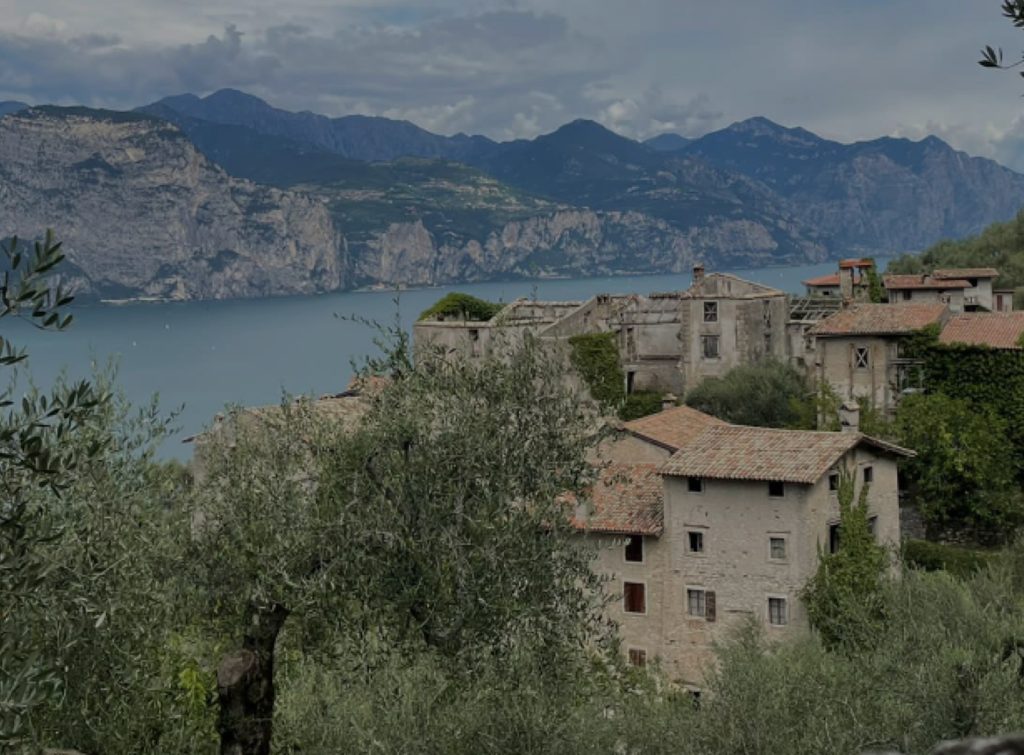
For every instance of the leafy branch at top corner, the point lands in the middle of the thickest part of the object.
(993, 57)
(26, 290)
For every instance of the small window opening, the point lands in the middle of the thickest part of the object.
(637, 657)
(869, 475)
(695, 484)
(711, 311)
(635, 549)
(833, 481)
(709, 347)
(777, 614)
(696, 604)
(776, 489)
(777, 548)
(860, 358)
(695, 541)
(833, 538)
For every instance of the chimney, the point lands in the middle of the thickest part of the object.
(849, 416)
(668, 401)
(846, 283)
(698, 273)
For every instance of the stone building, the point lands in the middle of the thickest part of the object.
(924, 289)
(715, 523)
(849, 283)
(667, 342)
(861, 350)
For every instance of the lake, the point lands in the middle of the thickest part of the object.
(201, 356)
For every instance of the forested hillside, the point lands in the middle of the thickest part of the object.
(1001, 246)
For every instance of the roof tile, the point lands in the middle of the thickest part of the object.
(923, 282)
(1000, 330)
(626, 499)
(672, 428)
(733, 452)
(879, 319)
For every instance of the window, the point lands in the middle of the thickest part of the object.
(777, 548)
(635, 549)
(696, 605)
(873, 526)
(833, 481)
(634, 597)
(833, 538)
(630, 381)
(695, 541)
(907, 295)
(695, 484)
(767, 343)
(474, 342)
(637, 657)
(860, 358)
(711, 311)
(709, 346)
(776, 489)
(869, 475)
(777, 615)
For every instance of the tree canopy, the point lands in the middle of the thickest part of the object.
(765, 394)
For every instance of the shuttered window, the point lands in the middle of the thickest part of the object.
(634, 597)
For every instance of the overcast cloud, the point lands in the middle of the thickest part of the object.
(847, 69)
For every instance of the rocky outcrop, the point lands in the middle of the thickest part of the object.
(143, 214)
(565, 242)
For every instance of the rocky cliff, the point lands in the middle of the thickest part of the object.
(143, 213)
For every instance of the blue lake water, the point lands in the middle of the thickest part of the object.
(203, 355)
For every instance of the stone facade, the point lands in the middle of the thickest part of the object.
(731, 550)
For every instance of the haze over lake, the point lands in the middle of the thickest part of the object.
(201, 356)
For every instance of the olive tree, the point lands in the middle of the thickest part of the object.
(431, 522)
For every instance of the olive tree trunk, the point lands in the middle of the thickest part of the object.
(245, 686)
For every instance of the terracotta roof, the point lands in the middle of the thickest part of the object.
(879, 319)
(673, 428)
(829, 280)
(1000, 330)
(732, 452)
(627, 499)
(966, 272)
(901, 282)
(856, 262)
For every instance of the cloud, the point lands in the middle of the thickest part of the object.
(515, 68)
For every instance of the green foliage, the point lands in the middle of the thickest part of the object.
(640, 404)
(959, 561)
(1001, 246)
(844, 599)
(965, 469)
(876, 291)
(462, 307)
(596, 358)
(766, 394)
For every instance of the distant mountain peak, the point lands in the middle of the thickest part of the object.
(12, 106)
(228, 96)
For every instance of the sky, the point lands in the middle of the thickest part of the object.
(848, 70)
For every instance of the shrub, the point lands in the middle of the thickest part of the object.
(959, 561)
(462, 306)
(639, 405)
(767, 394)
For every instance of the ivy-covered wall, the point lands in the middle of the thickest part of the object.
(596, 357)
(981, 375)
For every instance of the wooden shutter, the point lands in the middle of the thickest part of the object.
(709, 605)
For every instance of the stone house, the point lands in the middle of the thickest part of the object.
(925, 289)
(861, 350)
(980, 295)
(726, 529)
(480, 338)
(849, 283)
(667, 342)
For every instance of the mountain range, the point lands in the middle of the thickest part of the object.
(390, 203)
